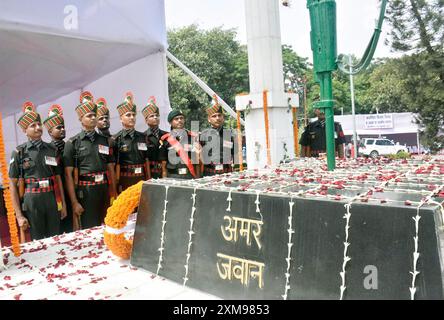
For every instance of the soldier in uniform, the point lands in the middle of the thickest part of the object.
(35, 178)
(130, 148)
(153, 135)
(217, 142)
(313, 139)
(181, 150)
(55, 124)
(103, 123)
(88, 161)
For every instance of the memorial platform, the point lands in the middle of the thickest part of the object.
(78, 266)
(371, 229)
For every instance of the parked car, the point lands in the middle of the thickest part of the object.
(374, 147)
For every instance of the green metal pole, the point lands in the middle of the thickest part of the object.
(327, 95)
(323, 45)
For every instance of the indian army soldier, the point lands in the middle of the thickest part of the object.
(313, 139)
(130, 148)
(55, 124)
(217, 142)
(181, 149)
(35, 180)
(103, 122)
(153, 134)
(89, 172)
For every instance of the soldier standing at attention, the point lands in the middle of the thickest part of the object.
(55, 124)
(89, 172)
(181, 149)
(217, 142)
(35, 179)
(153, 134)
(313, 139)
(103, 122)
(130, 148)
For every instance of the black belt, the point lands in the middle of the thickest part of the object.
(176, 171)
(132, 168)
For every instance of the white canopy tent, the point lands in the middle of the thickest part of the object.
(52, 50)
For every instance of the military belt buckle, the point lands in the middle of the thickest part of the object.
(219, 167)
(138, 170)
(182, 170)
(44, 184)
(98, 178)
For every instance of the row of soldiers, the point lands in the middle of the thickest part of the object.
(58, 187)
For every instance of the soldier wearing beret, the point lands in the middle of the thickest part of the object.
(35, 180)
(181, 149)
(153, 135)
(130, 148)
(217, 142)
(88, 161)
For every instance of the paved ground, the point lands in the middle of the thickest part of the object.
(79, 266)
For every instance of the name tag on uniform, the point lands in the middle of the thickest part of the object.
(103, 149)
(219, 167)
(98, 178)
(142, 146)
(228, 144)
(187, 147)
(182, 170)
(44, 184)
(51, 161)
(138, 170)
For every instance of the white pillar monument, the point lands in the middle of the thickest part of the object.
(266, 73)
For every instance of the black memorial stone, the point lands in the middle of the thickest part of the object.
(253, 264)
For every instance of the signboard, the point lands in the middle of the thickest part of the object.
(379, 121)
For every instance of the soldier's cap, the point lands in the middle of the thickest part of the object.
(215, 107)
(102, 107)
(29, 115)
(128, 105)
(150, 108)
(55, 117)
(86, 105)
(173, 114)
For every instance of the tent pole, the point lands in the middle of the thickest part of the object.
(204, 86)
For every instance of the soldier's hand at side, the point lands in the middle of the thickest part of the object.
(77, 209)
(23, 222)
(197, 148)
(63, 213)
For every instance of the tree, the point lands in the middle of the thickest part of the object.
(220, 61)
(418, 28)
(213, 55)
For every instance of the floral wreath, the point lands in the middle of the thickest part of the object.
(117, 218)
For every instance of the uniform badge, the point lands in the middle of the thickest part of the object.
(124, 148)
(103, 149)
(51, 161)
(142, 146)
(228, 144)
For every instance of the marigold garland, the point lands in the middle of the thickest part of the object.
(13, 231)
(117, 217)
(267, 128)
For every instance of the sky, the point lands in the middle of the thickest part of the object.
(356, 20)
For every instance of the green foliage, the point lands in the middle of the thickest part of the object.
(399, 155)
(415, 82)
(214, 56)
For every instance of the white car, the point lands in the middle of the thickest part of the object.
(374, 147)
